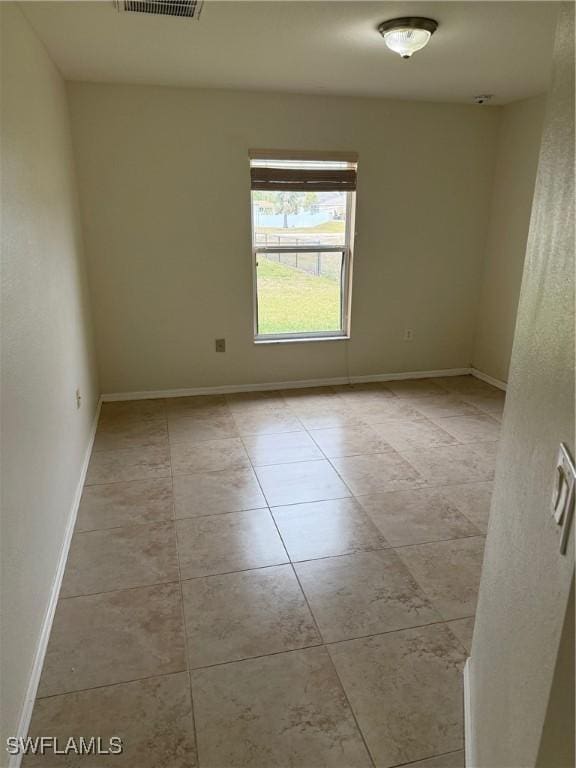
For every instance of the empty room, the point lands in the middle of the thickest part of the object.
(287, 384)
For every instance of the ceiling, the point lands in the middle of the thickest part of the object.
(503, 48)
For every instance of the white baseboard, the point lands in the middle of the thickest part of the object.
(30, 698)
(468, 720)
(488, 379)
(266, 386)
(410, 375)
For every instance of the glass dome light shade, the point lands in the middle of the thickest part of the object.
(406, 41)
(407, 35)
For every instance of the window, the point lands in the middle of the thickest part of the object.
(302, 236)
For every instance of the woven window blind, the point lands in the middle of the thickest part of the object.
(303, 171)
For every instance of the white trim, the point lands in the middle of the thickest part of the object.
(302, 154)
(468, 720)
(285, 339)
(231, 388)
(489, 379)
(30, 698)
(410, 375)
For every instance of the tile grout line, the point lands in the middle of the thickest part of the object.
(307, 430)
(325, 645)
(121, 589)
(310, 430)
(149, 524)
(183, 615)
(328, 643)
(331, 661)
(269, 511)
(174, 520)
(111, 685)
(145, 586)
(228, 512)
(330, 461)
(322, 643)
(416, 763)
(289, 561)
(121, 482)
(303, 593)
(353, 713)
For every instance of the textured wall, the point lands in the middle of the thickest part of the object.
(526, 583)
(46, 347)
(164, 184)
(557, 744)
(519, 139)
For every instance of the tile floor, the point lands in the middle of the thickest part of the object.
(280, 579)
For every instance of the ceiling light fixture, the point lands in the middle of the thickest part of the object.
(408, 34)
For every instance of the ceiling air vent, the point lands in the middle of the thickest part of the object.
(189, 9)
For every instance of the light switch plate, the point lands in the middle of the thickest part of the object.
(564, 494)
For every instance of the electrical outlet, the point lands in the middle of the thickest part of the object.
(220, 345)
(78, 399)
(408, 334)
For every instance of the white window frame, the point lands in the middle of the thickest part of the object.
(347, 251)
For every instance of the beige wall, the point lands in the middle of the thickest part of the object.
(164, 183)
(46, 347)
(515, 174)
(526, 582)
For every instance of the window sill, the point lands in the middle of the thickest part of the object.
(344, 337)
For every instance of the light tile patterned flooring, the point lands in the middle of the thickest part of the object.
(279, 579)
